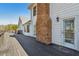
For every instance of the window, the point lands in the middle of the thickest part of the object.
(69, 31)
(34, 11)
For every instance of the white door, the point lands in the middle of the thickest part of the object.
(69, 37)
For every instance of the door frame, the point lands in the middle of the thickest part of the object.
(69, 45)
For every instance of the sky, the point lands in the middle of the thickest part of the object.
(10, 12)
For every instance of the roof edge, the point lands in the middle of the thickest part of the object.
(30, 6)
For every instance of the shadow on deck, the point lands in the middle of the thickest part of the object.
(35, 48)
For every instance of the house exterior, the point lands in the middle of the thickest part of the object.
(27, 28)
(22, 20)
(56, 23)
(33, 19)
(41, 22)
(66, 30)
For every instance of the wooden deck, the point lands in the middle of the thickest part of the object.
(10, 46)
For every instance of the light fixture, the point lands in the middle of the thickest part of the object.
(57, 19)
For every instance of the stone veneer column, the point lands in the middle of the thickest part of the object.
(43, 24)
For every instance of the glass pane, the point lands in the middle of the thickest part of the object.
(69, 31)
(34, 11)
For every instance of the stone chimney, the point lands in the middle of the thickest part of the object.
(43, 23)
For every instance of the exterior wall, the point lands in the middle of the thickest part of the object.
(43, 23)
(64, 11)
(25, 27)
(29, 33)
(30, 29)
(33, 22)
(21, 27)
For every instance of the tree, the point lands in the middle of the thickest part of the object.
(11, 27)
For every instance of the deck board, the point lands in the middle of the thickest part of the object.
(11, 47)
